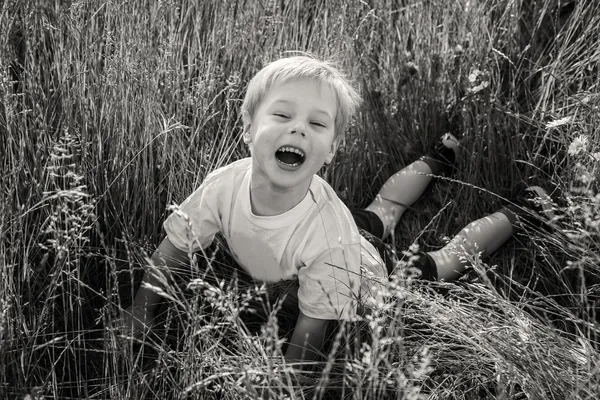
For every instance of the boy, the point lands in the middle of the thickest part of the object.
(282, 221)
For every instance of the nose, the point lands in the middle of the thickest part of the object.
(298, 127)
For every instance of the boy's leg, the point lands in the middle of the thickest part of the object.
(532, 208)
(485, 235)
(405, 187)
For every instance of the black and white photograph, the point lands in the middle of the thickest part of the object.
(300, 199)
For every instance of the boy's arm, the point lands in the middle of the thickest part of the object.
(166, 258)
(307, 339)
(167, 255)
(193, 224)
(321, 285)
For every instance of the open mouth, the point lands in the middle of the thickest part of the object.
(290, 156)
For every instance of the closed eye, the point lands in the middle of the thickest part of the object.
(281, 115)
(319, 124)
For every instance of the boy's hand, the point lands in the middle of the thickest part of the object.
(137, 321)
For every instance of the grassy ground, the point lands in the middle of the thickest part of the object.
(112, 110)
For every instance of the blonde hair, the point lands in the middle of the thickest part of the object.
(286, 69)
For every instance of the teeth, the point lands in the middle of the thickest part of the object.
(291, 165)
(292, 150)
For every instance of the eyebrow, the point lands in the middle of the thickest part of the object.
(318, 111)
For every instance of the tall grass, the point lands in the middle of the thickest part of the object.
(111, 111)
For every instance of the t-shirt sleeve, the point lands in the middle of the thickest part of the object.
(329, 285)
(193, 225)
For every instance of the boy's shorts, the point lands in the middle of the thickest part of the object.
(371, 228)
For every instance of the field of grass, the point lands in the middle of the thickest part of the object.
(110, 111)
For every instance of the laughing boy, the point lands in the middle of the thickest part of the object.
(282, 221)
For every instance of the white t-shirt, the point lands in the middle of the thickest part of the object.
(317, 240)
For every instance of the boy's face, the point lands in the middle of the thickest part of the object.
(292, 132)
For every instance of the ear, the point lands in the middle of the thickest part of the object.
(247, 123)
(334, 147)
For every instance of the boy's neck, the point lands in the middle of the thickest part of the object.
(267, 200)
